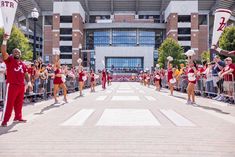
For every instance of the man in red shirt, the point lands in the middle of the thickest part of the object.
(228, 74)
(16, 72)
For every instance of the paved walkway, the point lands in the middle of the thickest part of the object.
(126, 120)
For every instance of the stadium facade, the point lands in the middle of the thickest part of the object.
(127, 35)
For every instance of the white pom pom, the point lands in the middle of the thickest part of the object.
(79, 61)
(169, 58)
(190, 53)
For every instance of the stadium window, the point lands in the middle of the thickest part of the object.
(66, 48)
(66, 19)
(63, 56)
(186, 38)
(184, 18)
(184, 31)
(65, 30)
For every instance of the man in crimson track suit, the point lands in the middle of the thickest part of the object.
(16, 72)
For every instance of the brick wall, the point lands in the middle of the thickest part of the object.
(172, 26)
(47, 40)
(203, 38)
(78, 32)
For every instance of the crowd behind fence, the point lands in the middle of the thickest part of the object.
(43, 89)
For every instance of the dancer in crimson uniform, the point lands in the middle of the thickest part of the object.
(169, 77)
(157, 79)
(59, 80)
(92, 76)
(16, 72)
(104, 79)
(192, 81)
(81, 78)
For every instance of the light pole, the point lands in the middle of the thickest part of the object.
(34, 15)
(80, 50)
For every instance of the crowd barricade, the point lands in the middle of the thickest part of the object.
(43, 89)
(208, 87)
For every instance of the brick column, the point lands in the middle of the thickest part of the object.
(56, 32)
(203, 39)
(194, 34)
(48, 41)
(77, 28)
(172, 26)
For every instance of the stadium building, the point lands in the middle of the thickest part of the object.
(120, 34)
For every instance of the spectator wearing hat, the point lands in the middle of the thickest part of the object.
(228, 74)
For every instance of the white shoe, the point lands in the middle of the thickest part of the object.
(188, 102)
(217, 97)
(194, 104)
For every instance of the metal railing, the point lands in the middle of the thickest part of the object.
(43, 89)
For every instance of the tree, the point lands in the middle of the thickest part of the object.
(205, 56)
(18, 40)
(227, 40)
(170, 47)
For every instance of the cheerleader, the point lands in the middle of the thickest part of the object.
(148, 78)
(92, 78)
(191, 83)
(104, 79)
(170, 78)
(157, 79)
(59, 80)
(81, 78)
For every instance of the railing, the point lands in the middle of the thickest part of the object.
(43, 89)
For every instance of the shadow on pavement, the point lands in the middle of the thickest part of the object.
(47, 108)
(7, 130)
(180, 97)
(213, 109)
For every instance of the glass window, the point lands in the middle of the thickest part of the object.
(184, 38)
(66, 31)
(66, 38)
(66, 19)
(63, 56)
(65, 49)
(184, 30)
(184, 18)
(124, 37)
(124, 63)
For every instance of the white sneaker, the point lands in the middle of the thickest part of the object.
(188, 102)
(217, 97)
(194, 104)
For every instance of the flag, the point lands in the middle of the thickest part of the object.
(8, 8)
(221, 18)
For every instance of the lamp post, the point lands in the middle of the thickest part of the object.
(80, 50)
(34, 15)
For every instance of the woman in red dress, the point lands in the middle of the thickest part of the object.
(81, 79)
(59, 80)
(170, 77)
(92, 76)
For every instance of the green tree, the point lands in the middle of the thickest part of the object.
(170, 47)
(227, 40)
(18, 40)
(205, 56)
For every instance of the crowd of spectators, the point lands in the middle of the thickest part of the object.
(214, 79)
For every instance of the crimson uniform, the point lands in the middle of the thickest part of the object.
(103, 79)
(15, 89)
(58, 80)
